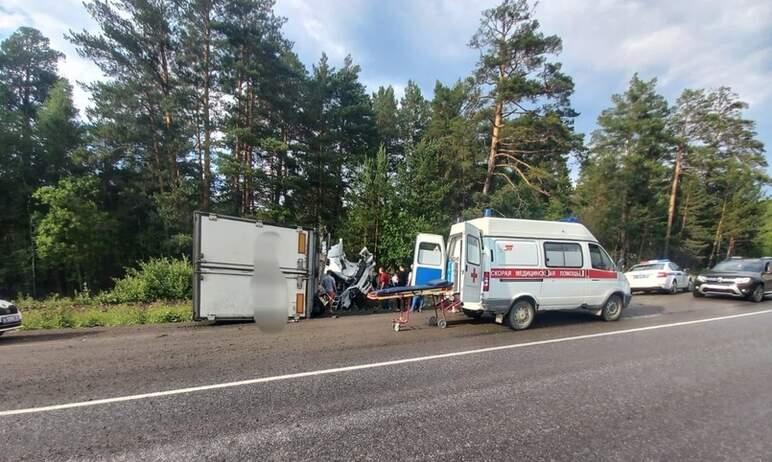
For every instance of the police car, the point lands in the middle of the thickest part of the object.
(10, 317)
(658, 276)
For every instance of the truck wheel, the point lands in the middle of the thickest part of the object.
(697, 293)
(757, 296)
(474, 314)
(521, 315)
(612, 310)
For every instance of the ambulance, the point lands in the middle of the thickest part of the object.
(516, 268)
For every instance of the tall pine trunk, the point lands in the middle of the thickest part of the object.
(207, 189)
(495, 137)
(673, 194)
(717, 239)
(730, 248)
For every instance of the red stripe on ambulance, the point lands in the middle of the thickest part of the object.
(550, 273)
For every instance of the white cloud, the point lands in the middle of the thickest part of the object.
(705, 43)
(10, 20)
(322, 26)
(685, 43)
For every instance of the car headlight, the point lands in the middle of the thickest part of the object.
(742, 280)
(701, 278)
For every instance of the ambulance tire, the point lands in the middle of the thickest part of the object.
(521, 315)
(612, 309)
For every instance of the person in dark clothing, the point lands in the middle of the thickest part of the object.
(402, 276)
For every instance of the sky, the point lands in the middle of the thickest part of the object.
(684, 44)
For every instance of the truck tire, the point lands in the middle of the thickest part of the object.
(521, 315)
(612, 309)
(697, 294)
(757, 296)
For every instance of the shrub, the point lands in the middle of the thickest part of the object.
(155, 279)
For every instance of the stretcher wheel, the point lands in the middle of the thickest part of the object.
(395, 326)
(442, 323)
(432, 321)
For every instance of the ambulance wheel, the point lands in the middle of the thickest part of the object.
(521, 315)
(612, 310)
(674, 288)
(432, 321)
(442, 323)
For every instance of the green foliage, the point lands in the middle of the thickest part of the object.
(623, 180)
(207, 106)
(526, 97)
(73, 233)
(155, 279)
(764, 240)
(55, 313)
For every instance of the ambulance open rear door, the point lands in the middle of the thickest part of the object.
(429, 259)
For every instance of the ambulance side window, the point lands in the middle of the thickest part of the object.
(515, 253)
(599, 258)
(563, 255)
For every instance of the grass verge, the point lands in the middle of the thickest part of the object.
(62, 313)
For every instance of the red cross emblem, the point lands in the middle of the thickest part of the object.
(474, 275)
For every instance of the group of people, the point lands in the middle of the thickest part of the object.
(385, 279)
(400, 278)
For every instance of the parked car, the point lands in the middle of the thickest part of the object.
(749, 278)
(10, 317)
(658, 276)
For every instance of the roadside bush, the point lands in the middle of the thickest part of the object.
(61, 314)
(155, 279)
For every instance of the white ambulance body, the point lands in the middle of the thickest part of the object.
(514, 268)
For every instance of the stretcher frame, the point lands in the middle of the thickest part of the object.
(443, 300)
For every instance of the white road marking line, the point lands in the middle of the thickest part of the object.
(395, 362)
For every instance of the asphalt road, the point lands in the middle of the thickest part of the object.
(653, 386)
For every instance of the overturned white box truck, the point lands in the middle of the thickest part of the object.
(223, 259)
(225, 250)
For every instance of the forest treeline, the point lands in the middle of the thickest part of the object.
(205, 105)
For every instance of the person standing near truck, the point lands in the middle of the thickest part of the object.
(328, 287)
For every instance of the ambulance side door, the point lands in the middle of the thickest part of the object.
(471, 267)
(564, 285)
(602, 275)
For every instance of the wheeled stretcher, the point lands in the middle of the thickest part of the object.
(439, 292)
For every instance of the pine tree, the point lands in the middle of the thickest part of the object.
(386, 120)
(519, 81)
(28, 72)
(622, 183)
(413, 117)
(455, 126)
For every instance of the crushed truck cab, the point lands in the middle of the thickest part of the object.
(515, 268)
